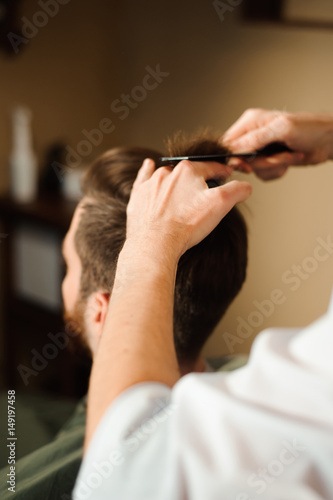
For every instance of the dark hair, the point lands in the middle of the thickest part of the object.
(209, 275)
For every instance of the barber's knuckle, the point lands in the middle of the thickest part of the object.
(286, 120)
(224, 196)
(247, 143)
(266, 135)
(162, 172)
(185, 165)
(285, 124)
(251, 112)
(183, 169)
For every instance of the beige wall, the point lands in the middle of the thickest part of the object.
(92, 52)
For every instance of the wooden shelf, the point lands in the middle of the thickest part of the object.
(54, 212)
(27, 323)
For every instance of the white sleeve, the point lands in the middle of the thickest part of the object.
(133, 429)
(263, 431)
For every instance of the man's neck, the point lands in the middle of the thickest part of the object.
(198, 366)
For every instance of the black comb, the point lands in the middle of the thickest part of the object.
(271, 149)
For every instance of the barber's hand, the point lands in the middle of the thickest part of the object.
(309, 135)
(174, 207)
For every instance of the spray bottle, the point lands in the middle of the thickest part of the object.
(23, 161)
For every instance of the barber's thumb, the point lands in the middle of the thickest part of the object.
(234, 192)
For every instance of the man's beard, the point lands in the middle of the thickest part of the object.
(75, 328)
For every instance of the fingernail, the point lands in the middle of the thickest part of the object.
(147, 162)
(234, 162)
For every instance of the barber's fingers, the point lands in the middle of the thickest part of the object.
(145, 172)
(250, 120)
(281, 159)
(256, 139)
(240, 165)
(269, 167)
(271, 173)
(210, 206)
(205, 170)
(233, 192)
(208, 169)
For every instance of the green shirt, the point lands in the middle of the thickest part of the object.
(49, 473)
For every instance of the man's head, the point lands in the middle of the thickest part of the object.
(209, 275)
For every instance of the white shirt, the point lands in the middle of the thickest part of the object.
(264, 431)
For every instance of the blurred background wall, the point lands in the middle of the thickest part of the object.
(92, 52)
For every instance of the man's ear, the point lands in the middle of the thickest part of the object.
(97, 308)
